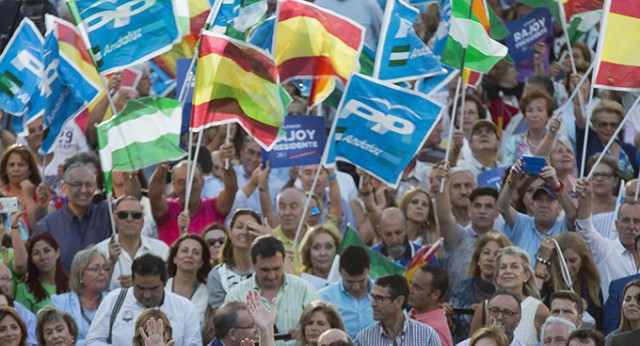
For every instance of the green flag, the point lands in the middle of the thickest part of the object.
(380, 265)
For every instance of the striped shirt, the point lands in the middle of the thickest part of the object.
(413, 333)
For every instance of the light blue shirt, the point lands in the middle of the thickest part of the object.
(70, 303)
(30, 321)
(253, 200)
(356, 314)
(525, 235)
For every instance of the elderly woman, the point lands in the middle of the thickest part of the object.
(605, 119)
(317, 318)
(87, 284)
(319, 246)
(13, 331)
(55, 328)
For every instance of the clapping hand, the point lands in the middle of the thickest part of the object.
(156, 334)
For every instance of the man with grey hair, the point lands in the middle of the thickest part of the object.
(555, 331)
(79, 223)
(461, 184)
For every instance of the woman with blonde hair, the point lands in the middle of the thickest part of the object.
(13, 331)
(141, 326)
(489, 336)
(418, 209)
(318, 249)
(317, 318)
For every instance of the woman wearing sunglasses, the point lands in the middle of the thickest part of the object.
(215, 235)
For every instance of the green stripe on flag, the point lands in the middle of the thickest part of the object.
(482, 52)
(380, 265)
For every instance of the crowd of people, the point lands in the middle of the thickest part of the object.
(243, 252)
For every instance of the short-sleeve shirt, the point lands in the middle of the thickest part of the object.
(207, 214)
(525, 235)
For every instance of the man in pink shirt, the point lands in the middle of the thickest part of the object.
(168, 212)
(428, 286)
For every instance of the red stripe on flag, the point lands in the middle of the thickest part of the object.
(307, 66)
(616, 75)
(228, 108)
(335, 25)
(68, 35)
(247, 58)
(626, 7)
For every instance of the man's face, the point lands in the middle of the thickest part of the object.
(460, 187)
(483, 212)
(503, 305)
(80, 187)
(628, 223)
(250, 157)
(129, 218)
(576, 342)
(357, 285)
(484, 138)
(6, 283)
(545, 208)
(35, 133)
(393, 235)
(555, 335)
(421, 292)
(244, 328)
(148, 290)
(269, 271)
(306, 178)
(383, 304)
(179, 181)
(290, 209)
(566, 309)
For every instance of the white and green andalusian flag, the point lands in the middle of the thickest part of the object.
(468, 38)
(145, 132)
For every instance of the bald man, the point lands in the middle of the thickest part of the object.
(334, 337)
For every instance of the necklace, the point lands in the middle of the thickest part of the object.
(84, 313)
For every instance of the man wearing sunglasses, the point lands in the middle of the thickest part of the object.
(121, 249)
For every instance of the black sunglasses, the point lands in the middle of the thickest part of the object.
(214, 241)
(123, 215)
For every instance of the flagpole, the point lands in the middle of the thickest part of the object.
(635, 196)
(462, 101)
(620, 196)
(192, 172)
(306, 207)
(613, 137)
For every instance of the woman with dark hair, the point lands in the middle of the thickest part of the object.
(215, 235)
(523, 199)
(605, 184)
(317, 318)
(56, 327)
(235, 260)
(45, 273)
(187, 266)
(630, 311)
(13, 331)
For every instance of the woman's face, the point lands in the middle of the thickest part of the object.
(189, 256)
(536, 114)
(316, 325)
(323, 250)
(574, 262)
(527, 199)
(215, 239)
(487, 260)
(471, 114)
(44, 257)
(562, 158)
(240, 236)
(10, 332)
(511, 273)
(630, 305)
(57, 333)
(603, 180)
(606, 124)
(314, 213)
(418, 208)
(95, 276)
(17, 169)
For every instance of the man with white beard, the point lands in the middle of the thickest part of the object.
(395, 244)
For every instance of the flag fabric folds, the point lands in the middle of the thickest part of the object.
(468, 39)
(421, 258)
(380, 127)
(402, 55)
(618, 63)
(236, 82)
(145, 132)
(575, 7)
(380, 265)
(310, 42)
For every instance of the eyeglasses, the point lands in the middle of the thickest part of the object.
(97, 268)
(77, 185)
(214, 241)
(315, 211)
(379, 299)
(605, 176)
(604, 125)
(5, 278)
(123, 215)
(495, 312)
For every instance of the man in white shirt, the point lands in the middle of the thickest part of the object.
(149, 275)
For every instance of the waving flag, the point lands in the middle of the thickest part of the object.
(236, 82)
(422, 257)
(618, 62)
(379, 127)
(21, 71)
(575, 7)
(126, 32)
(402, 55)
(468, 38)
(314, 42)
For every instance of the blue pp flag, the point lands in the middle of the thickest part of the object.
(380, 127)
(402, 55)
(434, 84)
(125, 32)
(262, 35)
(21, 71)
(66, 89)
(442, 33)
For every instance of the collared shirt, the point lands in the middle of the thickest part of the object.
(30, 321)
(123, 266)
(294, 295)
(253, 200)
(457, 255)
(413, 333)
(436, 319)
(73, 234)
(70, 303)
(612, 259)
(475, 166)
(356, 313)
(179, 310)
(525, 235)
(199, 298)
(278, 233)
(207, 214)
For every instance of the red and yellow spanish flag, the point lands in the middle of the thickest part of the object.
(422, 257)
(237, 82)
(311, 41)
(618, 63)
(573, 7)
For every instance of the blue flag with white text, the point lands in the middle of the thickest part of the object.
(442, 33)
(67, 91)
(21, 71)
(380, 127)
(401, 54)
(125, 32)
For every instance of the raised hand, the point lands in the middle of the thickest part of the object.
(155, 336)
(263, 318)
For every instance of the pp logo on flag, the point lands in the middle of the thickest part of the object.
(121, 15)
(383, 121)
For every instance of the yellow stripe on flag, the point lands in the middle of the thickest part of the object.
(619, 46)
(480, 11)
(294, 31)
